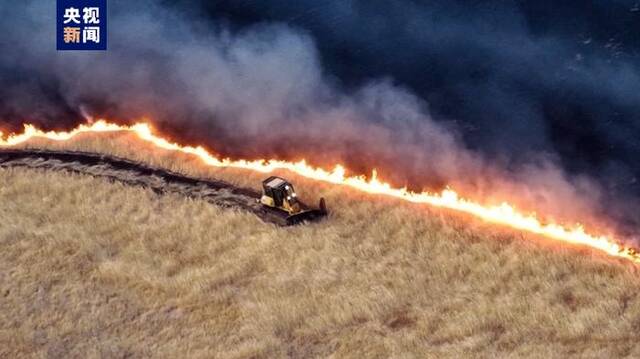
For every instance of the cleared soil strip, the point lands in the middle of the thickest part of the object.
(132, 173)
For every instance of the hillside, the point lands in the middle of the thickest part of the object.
(98, 268)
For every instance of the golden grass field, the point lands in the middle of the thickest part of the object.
(90, 268)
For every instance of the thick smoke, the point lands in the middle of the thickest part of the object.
(261, 91)
(517, 77)
(514, 73)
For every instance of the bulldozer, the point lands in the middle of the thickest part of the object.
(278, 194)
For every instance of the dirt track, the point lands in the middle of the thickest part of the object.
(133, 173)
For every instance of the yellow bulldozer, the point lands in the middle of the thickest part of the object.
(278, 194)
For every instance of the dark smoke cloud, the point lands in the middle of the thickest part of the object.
(499, 62)
(519, 77)
(267, 90)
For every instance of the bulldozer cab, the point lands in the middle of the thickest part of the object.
(279, 193)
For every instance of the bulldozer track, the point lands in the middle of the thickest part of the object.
(159, 180)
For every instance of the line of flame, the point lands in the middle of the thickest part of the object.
(503, 214)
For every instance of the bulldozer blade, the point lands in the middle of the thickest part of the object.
(308, 215)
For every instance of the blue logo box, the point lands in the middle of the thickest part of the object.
(81, 25)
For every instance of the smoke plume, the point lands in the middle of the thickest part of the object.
(262, 91)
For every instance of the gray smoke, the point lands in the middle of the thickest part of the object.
(259, 92)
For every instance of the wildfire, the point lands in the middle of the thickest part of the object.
(503, 214)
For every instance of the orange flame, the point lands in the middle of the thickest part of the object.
(503, 214)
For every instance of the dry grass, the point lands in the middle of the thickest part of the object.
(90, 268)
